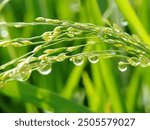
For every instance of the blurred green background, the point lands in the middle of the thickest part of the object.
(97, 87)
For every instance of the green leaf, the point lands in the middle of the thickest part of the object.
(41, 97)
(133, 20)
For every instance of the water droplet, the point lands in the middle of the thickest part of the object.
(94, 58)
(122, 66)
(134, 61)
(45, 68)
(144, 61)
(61, 57)
(78, 60)
(22, 72)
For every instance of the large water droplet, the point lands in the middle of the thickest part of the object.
(78, 60)
(122, 66)
(94, 58)
(22, 72)
(134, 61)
(144, 61)
(61, 57)
(45, 68)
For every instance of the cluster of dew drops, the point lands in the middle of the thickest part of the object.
(143, 61)
(24, 70)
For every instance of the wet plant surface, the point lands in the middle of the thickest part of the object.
(96, 63)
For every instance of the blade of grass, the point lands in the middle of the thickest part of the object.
(94, 13)
(95, 70)
(30, 108)
(91, 92)
(74, 78)
(133, 20)
(112, 88)
(3, 3)
(133, 91)
(94, 16)
(29, 93)
(144, 14)
(106, 72)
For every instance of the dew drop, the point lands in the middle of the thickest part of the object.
(22, 72)
(61, 57)
(144, 61)
(122, 66)
(94, 58)
(134, 61)
(44, 68)
(78, 60)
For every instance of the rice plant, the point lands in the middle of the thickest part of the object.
(127, 47)
(74, 63)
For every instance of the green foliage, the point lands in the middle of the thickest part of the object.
(85, 38)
